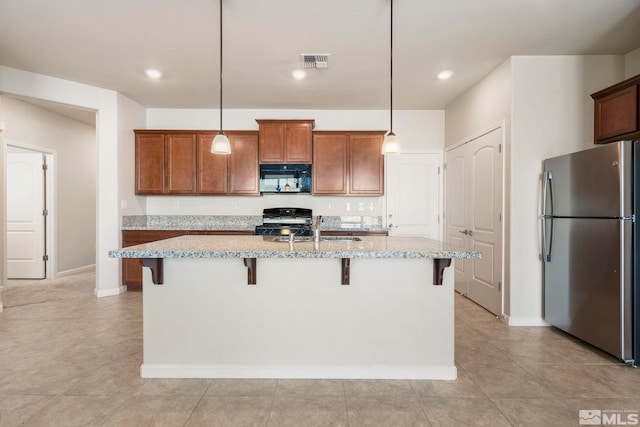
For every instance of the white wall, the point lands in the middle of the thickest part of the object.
(417, 129)
(485, 104)
(3, 209)
(552, 115)
(632, 63)
(75, 175)
(131, 115)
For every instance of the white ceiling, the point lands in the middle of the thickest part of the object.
(110, 43)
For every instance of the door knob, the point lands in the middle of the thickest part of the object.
(464, 232)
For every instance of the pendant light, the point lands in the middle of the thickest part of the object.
(391, 143)
(220, 144)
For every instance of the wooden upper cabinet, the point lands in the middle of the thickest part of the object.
(330, 163)
(212, 168)
(285, 141)
(243, 163)
(298, 142)
(180, 152)
(617, 112)
(366, 164)
(348, 163)
(149, 163)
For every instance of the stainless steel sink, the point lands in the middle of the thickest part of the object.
(340, 239)
(285, 239)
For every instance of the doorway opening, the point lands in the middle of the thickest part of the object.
(67, 138)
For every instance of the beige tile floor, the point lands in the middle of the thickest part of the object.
(73, 360)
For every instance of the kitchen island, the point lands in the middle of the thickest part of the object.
(252, 307)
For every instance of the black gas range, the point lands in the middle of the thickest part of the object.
(284, 221)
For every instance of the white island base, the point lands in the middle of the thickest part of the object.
(298, 321)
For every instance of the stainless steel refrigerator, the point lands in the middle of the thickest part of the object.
(590, 246)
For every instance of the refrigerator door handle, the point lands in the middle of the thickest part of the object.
(547, 189)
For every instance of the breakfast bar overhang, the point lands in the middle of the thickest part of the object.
(300, 319)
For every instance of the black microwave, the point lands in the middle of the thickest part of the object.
(285, 178)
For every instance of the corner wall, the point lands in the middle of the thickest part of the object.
(632, 63)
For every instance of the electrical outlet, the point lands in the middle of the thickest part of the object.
(176, 205)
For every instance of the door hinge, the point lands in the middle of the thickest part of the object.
(500, 216)
(438, 170)
(438, 219)
(499, 286)
(45, 257)
(45, 212)
(45, 167)
(499, 148)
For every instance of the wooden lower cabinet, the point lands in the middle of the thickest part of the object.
(131, 267)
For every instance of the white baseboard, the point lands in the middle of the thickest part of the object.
(84, 269)
(430, 372)
(527, 321)
(110, 292)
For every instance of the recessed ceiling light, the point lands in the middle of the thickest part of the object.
(299, 74)
(153, 74)
(444, 75)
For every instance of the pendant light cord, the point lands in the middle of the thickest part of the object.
(220, 131)
(391, 75)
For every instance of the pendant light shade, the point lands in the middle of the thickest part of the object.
(391, 143)
(221, 144)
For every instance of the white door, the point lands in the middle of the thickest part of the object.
(474, 216)
(25, 216)
(413, 194)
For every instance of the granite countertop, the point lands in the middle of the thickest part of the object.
(266, 247)
(241, 222)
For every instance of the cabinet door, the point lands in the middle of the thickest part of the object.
(366, 165)
(243, 165)
(149, 163)
(272, 143)
(616, 114)
(329, 169)
(212, 168)
(298, 143)
(180, 163)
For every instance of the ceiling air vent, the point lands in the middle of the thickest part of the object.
(315, 60)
